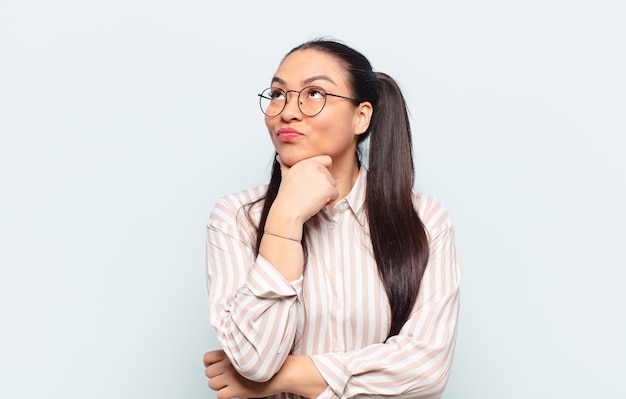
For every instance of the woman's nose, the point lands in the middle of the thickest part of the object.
(291, 110)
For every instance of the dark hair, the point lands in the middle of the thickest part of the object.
(398, 236)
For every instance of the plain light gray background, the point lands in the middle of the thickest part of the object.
(122, 122)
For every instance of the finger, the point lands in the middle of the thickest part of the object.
(325, 160)
(217, 383)
(214, 370)
(213, 357)
(229, 393)
(334, 195)
(224, 394)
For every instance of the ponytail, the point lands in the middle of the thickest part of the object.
(398, 236)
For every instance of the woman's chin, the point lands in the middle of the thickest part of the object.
(289, 159)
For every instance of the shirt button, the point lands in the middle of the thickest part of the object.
(337, 305)
(332, 226)
(337, 348)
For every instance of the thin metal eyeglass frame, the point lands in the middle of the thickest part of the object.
(261, 97)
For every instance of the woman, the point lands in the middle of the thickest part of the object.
(335, 280)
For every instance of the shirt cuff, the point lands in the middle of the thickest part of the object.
(335, 372)
(264, 281)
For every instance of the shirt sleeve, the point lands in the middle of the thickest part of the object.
(251, 305)
(416, 362)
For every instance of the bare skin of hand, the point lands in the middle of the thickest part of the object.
(306, 187)
(298, 375)
(224, 379)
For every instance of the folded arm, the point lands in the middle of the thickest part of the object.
(251, 305)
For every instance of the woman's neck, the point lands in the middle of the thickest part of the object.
(345, 177)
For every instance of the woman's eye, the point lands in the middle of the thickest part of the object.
(277, 94)
(315, 92)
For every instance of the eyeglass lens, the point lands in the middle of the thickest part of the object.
(311, 100)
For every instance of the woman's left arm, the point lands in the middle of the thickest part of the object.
(297, 375)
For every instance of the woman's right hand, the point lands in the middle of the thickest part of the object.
(306, 187)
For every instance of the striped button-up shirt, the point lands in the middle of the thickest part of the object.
(337, 312)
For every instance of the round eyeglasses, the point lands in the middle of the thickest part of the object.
(311, 100)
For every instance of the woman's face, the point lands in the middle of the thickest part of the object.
(334, 131)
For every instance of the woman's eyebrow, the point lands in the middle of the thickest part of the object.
(307, 81)
(276, 79)
(319, 77)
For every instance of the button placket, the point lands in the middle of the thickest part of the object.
(335, 307)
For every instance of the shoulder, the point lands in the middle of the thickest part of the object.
(432, 213)
(229, 208)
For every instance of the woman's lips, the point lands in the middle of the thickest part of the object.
(287, 135)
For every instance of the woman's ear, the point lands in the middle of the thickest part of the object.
(363, 116)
